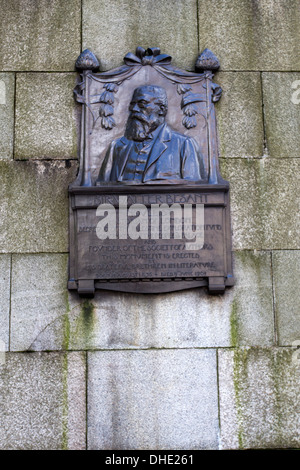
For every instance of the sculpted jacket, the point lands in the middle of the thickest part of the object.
(173, 156)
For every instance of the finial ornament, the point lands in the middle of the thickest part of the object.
(207, 61)
(87, 61)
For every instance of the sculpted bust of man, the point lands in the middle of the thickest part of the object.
(150, 150)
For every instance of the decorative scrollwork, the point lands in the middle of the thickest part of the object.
(106, 109)
(206, 63)
(188, 105)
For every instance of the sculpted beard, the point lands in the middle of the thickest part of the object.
(139, 126)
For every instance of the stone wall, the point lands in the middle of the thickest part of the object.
(172, 371)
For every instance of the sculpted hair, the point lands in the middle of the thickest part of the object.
(160, 94)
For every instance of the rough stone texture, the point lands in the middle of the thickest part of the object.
(264, 202)
(239, 115)
(38, 295)
(251, 314)
(139, 396)
(7, 96)
(111, 29)
(43, 401)
(252, 34)
(243, 316)
(281, 96)
(152, 400)
(34, 206)
(4, 301)
(259, 398)
(45, 116)
(39, 35)
(286, 274)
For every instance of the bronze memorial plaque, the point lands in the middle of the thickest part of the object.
(149, 210)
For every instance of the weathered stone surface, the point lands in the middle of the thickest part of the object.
(34, 206)
(251, 35)
(259, 396)
(239, 115)
(286, 274)
(43, 401)
(38, 295)
(245, 197)
(45, 116)
(111, 29)
(264, 202)
(243, 316)
(251, 314)
(4, 301)
(281, 95)
(7, 96)
(152, 400)
(39, 35)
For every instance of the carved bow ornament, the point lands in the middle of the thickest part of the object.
(151, 56)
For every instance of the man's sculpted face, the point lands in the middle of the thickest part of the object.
(147, 111)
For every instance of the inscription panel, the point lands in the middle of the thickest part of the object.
(121, 259)
(130, 259)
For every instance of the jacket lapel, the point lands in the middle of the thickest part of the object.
(123, 156)
(158, 148)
